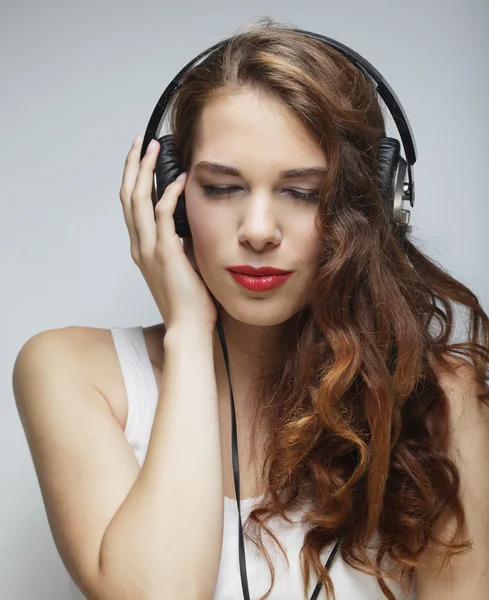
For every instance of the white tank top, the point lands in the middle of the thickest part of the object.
(142, 393)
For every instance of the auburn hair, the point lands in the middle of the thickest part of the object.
(358, 423)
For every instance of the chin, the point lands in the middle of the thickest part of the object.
(261, 312)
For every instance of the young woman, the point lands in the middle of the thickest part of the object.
(356, 415)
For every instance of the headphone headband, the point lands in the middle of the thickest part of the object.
(383, 88)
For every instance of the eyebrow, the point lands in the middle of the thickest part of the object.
(219, 169)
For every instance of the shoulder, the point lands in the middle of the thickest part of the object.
(469, 450)
(88, 346)
(91, 351)
(55, 349)
(468, 422)
(462, 390)
(87, 352)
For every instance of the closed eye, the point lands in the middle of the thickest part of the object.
(299, 196)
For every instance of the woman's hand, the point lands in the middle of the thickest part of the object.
(180, 294)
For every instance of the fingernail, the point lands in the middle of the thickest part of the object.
(151, 147)
(181, 177)
(137, 140)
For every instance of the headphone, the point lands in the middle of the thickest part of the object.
(392, 182)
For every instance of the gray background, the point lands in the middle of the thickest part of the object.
(79, 81)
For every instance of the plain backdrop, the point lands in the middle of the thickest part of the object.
(79, 80)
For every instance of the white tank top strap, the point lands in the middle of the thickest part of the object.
(141, 387)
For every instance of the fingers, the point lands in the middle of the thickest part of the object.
(141, 203)
(149, 228)
(131, 168)
(165, 225)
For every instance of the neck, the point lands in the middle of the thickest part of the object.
(250, 349)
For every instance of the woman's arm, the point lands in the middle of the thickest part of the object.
(467, 576)
(124, 532)
(168, 531)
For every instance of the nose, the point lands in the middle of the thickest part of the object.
(259, 224)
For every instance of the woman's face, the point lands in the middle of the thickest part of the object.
(258, 216)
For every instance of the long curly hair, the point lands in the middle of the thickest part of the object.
(358, 425)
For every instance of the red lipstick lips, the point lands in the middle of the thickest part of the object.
(259, 279)
(249, 270)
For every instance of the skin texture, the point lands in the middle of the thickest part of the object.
(258, 223)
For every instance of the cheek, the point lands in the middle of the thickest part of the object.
(308, 239)
(206, 232)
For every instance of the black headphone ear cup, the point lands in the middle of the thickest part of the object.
(388, 160)
(167, 169)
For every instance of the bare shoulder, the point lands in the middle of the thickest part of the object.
(462, 389)
(468, 443)
(468, 440)
(94, 352)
